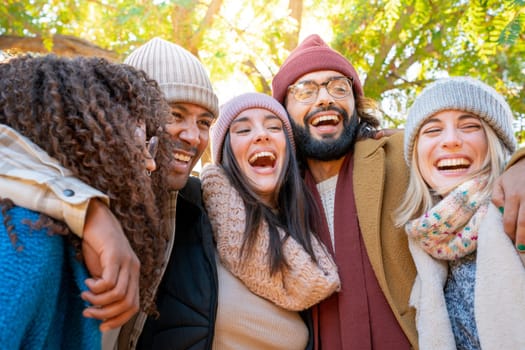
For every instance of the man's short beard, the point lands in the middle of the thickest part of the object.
(326, 150)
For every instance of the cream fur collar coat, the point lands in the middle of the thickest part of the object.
(499, 295)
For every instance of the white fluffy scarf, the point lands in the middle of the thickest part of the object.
(499, 292)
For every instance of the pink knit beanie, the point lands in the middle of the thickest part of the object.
(231, 109)
(312, 55)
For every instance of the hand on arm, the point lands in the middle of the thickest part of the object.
(114, 287)
(509, 196)
(386, 133)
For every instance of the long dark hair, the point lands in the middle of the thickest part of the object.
(83, 112)
(295, 212)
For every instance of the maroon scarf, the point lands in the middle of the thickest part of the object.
(358, 317)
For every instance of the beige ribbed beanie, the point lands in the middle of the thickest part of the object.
(181, 76)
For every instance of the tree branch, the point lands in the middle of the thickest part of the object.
(63, 45)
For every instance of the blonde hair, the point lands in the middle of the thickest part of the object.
(419, 197)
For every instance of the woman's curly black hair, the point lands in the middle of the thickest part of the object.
(84, 112)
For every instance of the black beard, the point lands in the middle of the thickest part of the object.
(327, 149)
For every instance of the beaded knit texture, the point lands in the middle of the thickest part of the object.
(449, 230)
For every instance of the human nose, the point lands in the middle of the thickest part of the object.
(190, 133)
(323, 96)
(261, 134)
(451, 138)
(151, 165)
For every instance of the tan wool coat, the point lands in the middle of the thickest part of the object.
(380, 180)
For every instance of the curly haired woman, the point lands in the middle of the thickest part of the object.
(93, 117)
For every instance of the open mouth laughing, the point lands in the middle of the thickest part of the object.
(182, 157)
(453, 164)
(263, 159)
(329, 119)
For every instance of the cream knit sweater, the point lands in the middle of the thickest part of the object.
(248, 321)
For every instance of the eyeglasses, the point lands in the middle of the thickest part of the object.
(308, 90)
(152, 145)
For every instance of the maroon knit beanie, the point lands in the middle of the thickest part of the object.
(312, 55)
(231, 109)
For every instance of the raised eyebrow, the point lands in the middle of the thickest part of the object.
(240, 119)
(469, 116)
(336, 77)
(248, 119)
(207, 115)
(461, 117)
(430, 120)
(178, 107)
(272, 117)
(309, 81)
(313, 81)
(182, 108)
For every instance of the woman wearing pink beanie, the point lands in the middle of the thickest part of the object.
(270, 265)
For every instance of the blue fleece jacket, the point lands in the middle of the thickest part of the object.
(40, 285)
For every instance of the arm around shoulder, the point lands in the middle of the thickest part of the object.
(509, 196)
(33, 180)
(517, 156)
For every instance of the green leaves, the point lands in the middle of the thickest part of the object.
(404, 44)
(397, 46)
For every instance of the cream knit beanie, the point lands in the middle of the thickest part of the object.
(231, 109)
(464, 94)
(180, 75)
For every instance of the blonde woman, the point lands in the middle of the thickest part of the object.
(470, 279)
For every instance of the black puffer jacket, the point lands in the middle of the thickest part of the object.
(187, 295)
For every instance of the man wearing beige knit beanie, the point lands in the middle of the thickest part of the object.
(187, 88)
(187, 294)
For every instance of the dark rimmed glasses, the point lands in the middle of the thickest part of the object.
(307, 91)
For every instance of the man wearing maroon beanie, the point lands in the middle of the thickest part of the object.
(357, 180)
